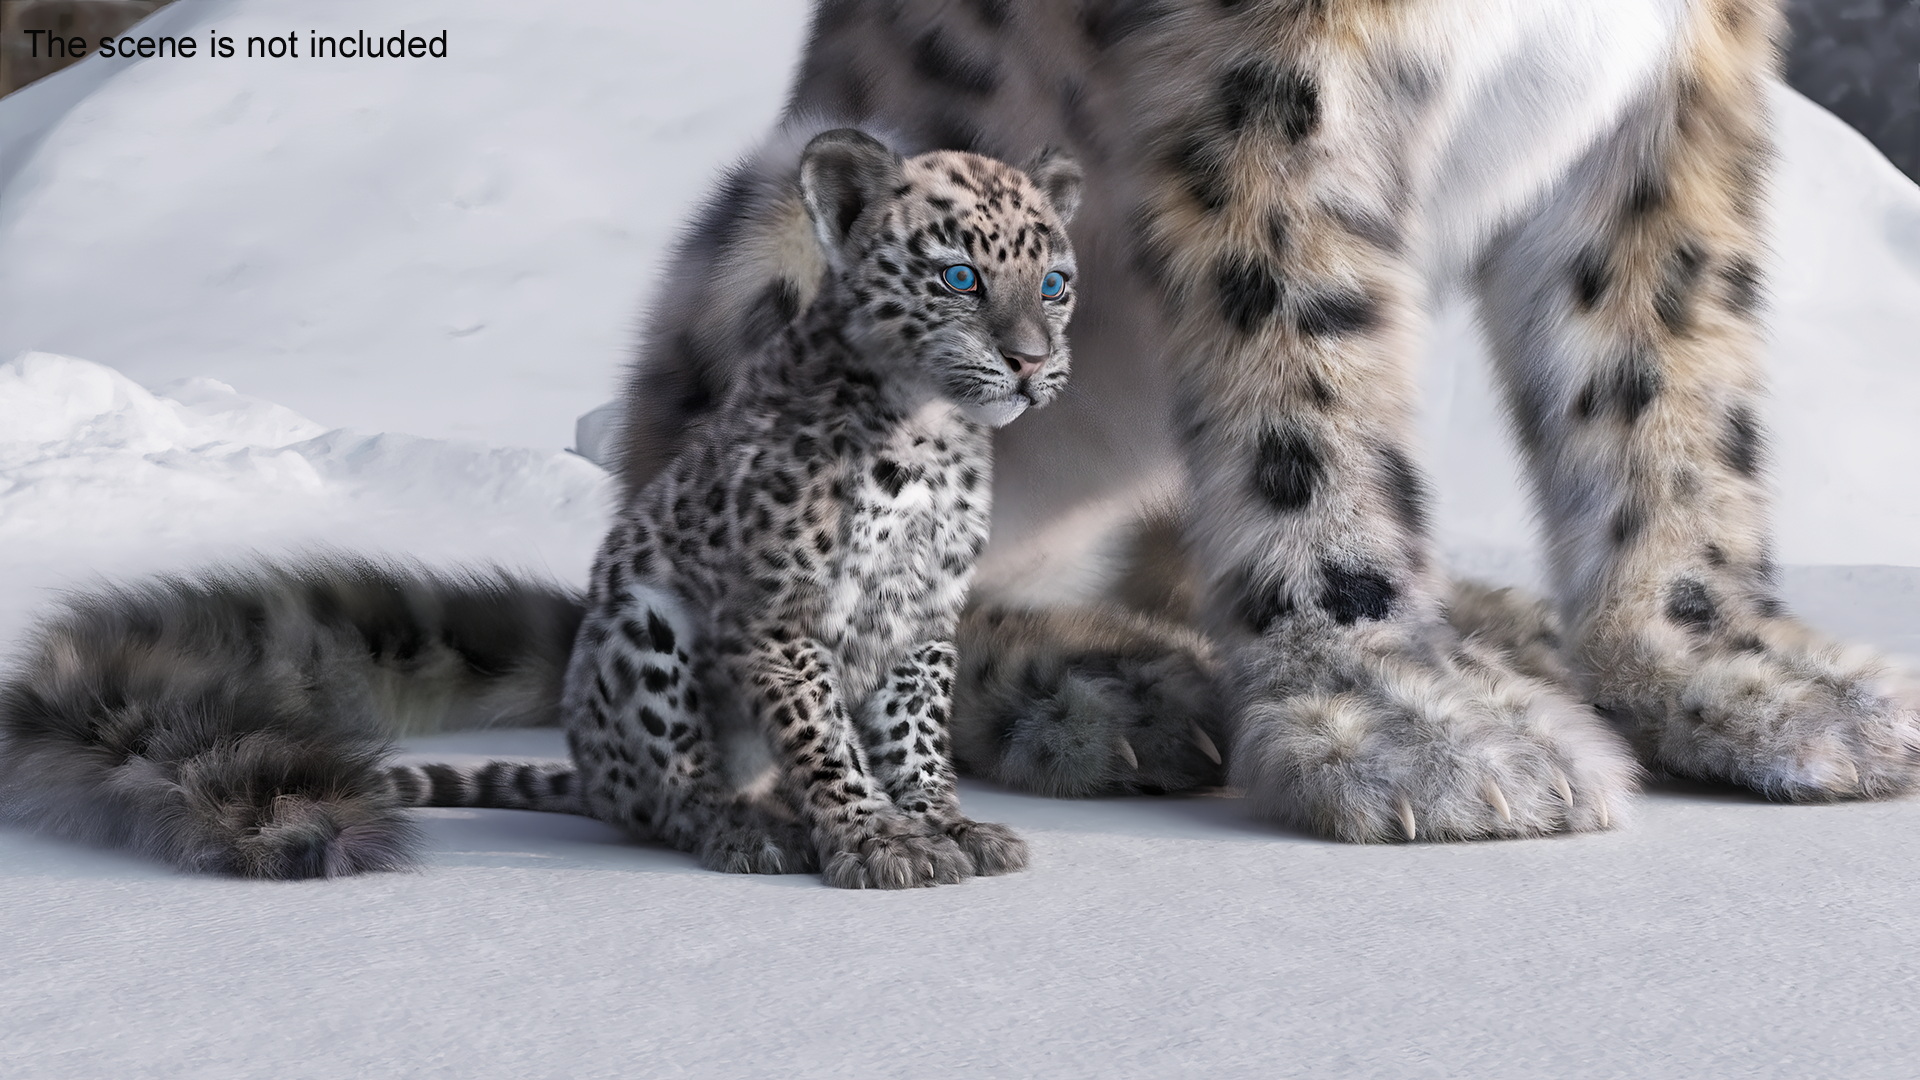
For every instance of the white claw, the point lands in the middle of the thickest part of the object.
(1200, 739)
(1126, 751)
(1565, 789)
(1498, 799)
(1606, 822)
(1406, 819)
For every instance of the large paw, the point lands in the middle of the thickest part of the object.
(894, 853)
(744, 842)
(1768, 704)
(1084, 703)
(994, 849)
(1381, 732)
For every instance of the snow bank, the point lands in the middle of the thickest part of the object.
(79, 441)
(99, 474)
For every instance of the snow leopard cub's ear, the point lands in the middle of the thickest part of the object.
(844, 174)
(1059, 178)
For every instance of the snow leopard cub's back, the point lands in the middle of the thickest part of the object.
(800, 564)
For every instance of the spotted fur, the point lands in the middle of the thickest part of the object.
(799, 566)
(549, 787)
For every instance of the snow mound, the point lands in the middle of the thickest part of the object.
(101, 475)
(81, 443)
(56, 405)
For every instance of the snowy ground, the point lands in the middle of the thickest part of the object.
(409, 279)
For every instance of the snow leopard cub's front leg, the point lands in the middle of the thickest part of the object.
(864, 839)
(1628, 339)
(904, 725)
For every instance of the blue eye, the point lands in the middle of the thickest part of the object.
(1053, 285)
(960, 278)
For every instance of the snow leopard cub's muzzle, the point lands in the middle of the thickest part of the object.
(1029, 364)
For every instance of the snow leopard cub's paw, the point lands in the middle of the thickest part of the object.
(893, 851)
(1382, 732)
(1761, 701)
(746, 841)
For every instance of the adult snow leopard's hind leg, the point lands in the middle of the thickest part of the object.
(645, 752)
(744, 266)
(903, 723)
(1086, 701)
(1114, 693)
(1120, 695)
(237, 722)
(1625, 321)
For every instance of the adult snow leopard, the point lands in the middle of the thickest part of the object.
(1276, 188)
(1227, 520)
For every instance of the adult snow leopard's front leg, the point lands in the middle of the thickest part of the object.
(904, 725)
(1624, 316)
(864, 840)
(1274, 228)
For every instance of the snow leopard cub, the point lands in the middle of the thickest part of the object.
(801, 564)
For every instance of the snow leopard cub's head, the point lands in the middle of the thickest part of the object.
(956, 263)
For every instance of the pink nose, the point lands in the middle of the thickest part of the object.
(1023, 364)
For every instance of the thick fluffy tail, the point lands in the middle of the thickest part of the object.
(549, 786)
(239, 721)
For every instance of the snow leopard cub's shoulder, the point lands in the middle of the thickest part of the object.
(799, 566)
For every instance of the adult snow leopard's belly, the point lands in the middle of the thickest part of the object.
(1526, 86)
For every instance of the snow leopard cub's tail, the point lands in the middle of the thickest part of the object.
(238, 721)
(551, 787)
